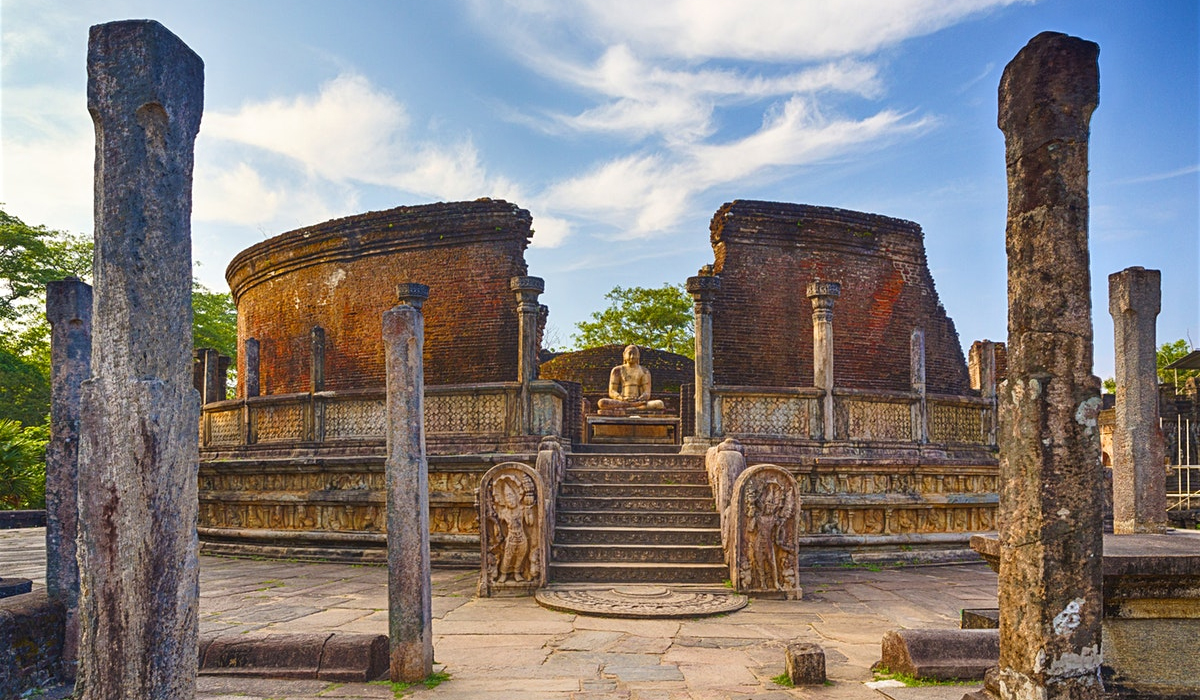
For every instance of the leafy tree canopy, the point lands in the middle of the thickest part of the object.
(214, 320)
(660, 318)
(1168, 353)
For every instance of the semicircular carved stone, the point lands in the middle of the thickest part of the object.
(512, 531)
(765, 522)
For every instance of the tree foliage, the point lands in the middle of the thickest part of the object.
(660, 318)
(1168, 353)
(22, 466)
(214, 320)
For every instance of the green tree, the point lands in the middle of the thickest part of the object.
(660, 318)
(1168, 353)
(22, 466)
(214, 320)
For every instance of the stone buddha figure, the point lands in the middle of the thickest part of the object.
(629, 387)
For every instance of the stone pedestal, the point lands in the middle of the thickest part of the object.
(138, 453)
(822, 295)
(69, 311)
(1139, 478)
(410, 592)
(1050, 497)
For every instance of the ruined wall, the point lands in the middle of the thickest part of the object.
(767, 252)
(592, 366)
(342, 275)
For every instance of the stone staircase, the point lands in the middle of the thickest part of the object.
(644, 517)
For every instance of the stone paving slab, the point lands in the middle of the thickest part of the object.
(512, 648)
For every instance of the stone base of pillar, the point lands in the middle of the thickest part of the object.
(693, 445)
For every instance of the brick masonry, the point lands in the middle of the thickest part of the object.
(767, 252)
(342, 275)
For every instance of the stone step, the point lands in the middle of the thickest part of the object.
(635, 461)
(625, 449)
(618, 518)
(635, 476)
(578, 572)
(670, 504)
(696, 536)
(572, 489)
(638, 553)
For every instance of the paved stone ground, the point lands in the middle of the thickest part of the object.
(512, 648)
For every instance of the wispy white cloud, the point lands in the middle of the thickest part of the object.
(1158, 177)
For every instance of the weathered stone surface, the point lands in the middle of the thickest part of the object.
(941, 654)
(1050, 499)
(527, 290)
(31, 642)
(1139, 480)
(703, 288)
(765, 522)
(805, 663)
(138, 448)
(512, 531)
(337, 656)
(251, 380)
(725, 463)
(979, 619)
(69, 311)
(409, 589)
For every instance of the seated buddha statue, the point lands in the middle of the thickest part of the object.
(629, 387)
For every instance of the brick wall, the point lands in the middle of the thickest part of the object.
(767, 253)
(592, 366)
(342, 275)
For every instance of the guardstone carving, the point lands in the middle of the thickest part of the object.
(724, 463)
(765, 510)
(513, 537)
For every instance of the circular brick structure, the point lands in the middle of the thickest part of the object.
(341, 275)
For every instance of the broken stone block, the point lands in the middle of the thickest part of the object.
(941, 654)
(805, 663)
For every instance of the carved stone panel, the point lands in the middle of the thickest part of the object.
(225, 427)
(878, 420)
(512, 526)
(279, 422)
(766, 510)
(355, 419)
(949, 423)
(459, 413)
(766, 415)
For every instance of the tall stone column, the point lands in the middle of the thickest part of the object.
(139, 583)
(69, 311)
(410, 593)
(251, 381)
(704, 288)
(213, 384)
(1139, 480)
(822, 295)
(316, 370)
(916, 371)
(981, 365)
(1050, 494)
(527, 290)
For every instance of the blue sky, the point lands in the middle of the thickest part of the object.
(623, 125)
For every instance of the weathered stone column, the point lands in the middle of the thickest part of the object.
(916, 366)
(527, 290)
(213, 385)
(139, 584)
(981, 365)
(1139, 480)
(251, 380)
(316, 371)
(822, 295)
(1050, 495)
(410, 612)
(704, 288)
(69, 311)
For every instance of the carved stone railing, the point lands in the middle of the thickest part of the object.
(859, 415)
(477, 411)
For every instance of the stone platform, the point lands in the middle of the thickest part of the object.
(632, 430)
(511, 648)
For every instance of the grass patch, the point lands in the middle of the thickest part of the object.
(783, 679)
(861, 565)
(883, 674)
(431, 681)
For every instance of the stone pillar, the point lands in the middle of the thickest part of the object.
(981, 364)
(251, 380)
(316, 372)
(527, 290)
(1050, 493)
(213, 387)
(822, 295)
(704, 288)
(916, 364)
(407, 472)
(69, 311)
(138, 453)
(1139, 480)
